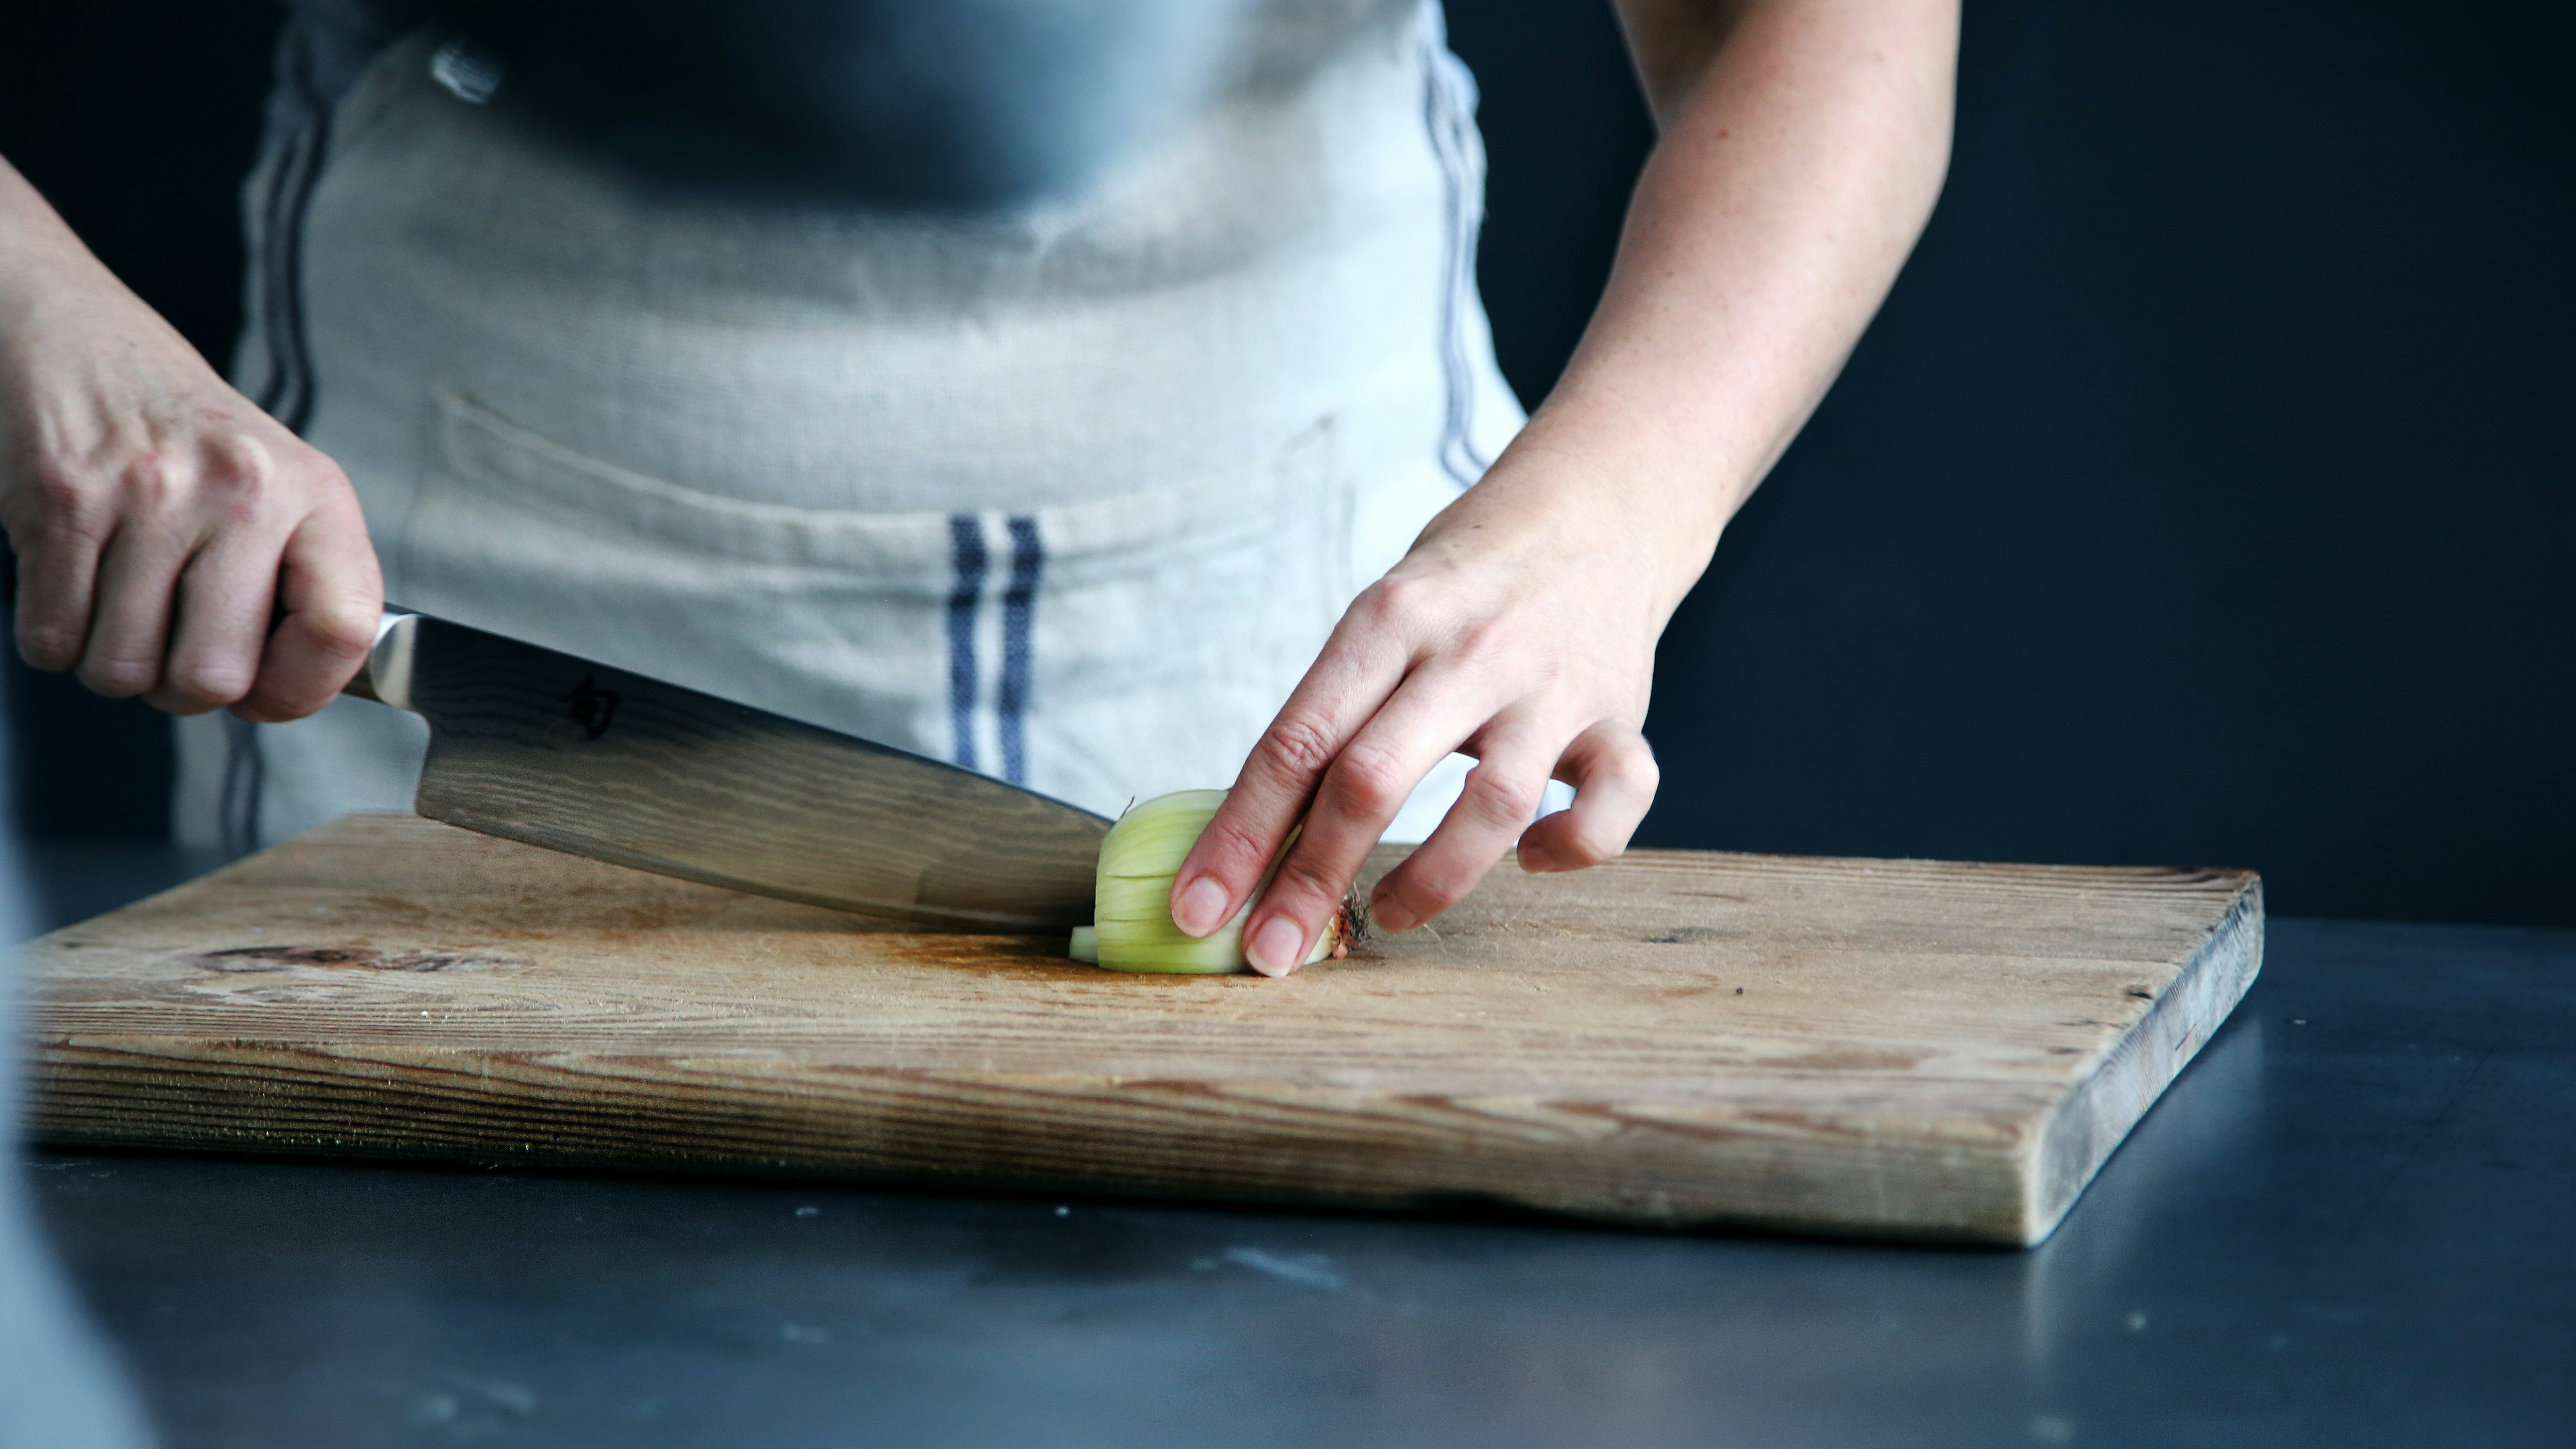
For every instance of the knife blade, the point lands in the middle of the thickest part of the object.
(537, 746)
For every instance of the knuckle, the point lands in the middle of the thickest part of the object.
(1301, 885)
(1297, 748)
(157, 479)
(1433, 900)
(49, 647)
(62, 501)
(1505, 800)
(119, 678)
(241, 484)
(1232, 849)
(1500, 647)
(1370, 780)
(1430, 892)
(1395, 602)
(1481, 638)
(1646, 774)
(1588, 843)
(202, 685)
(1633, 764)
(1488, 647)
(55, 487)
(238, 455)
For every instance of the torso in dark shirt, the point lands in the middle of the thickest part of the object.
(947, 103)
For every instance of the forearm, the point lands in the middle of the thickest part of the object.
(50, 283)
(1803, 144)
(30, 232)
(36, 246)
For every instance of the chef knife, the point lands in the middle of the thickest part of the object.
(556, 751)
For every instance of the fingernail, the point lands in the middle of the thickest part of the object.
(1388, 916)
(1202, 907)
(1276, 947)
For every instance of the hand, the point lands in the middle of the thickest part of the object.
(1803, 144)
(1521, 630)
(161, 521)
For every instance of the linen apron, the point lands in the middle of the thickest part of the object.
(1070, 494)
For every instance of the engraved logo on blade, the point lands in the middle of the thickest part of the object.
(592, 706)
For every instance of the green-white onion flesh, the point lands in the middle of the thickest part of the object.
(1132, 926)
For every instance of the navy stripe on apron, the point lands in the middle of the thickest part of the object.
(966, 561)
(1028, 560)
(1449, 113)
(971, 564)
(287, 393)
(245, 775)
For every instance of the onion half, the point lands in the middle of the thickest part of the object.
(1132, 926)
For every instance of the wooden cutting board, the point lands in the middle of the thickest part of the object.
(1887, 1048)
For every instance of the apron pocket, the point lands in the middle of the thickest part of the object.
(830, 617)
(1097, 651)
(1171, 626)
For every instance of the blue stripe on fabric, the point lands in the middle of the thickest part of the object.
(1449, 118)
(1019, 605)
(966, 562)
(288, 393)
(245, 780)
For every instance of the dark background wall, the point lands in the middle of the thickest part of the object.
(2206, 493)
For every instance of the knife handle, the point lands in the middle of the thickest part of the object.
(386, 676)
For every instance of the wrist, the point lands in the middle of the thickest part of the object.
(1601, 478)
(47, 275)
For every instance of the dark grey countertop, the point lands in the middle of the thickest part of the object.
(2352, 1222)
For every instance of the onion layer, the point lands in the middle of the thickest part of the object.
(1132, 926)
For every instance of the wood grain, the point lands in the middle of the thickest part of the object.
(1885, 1048)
